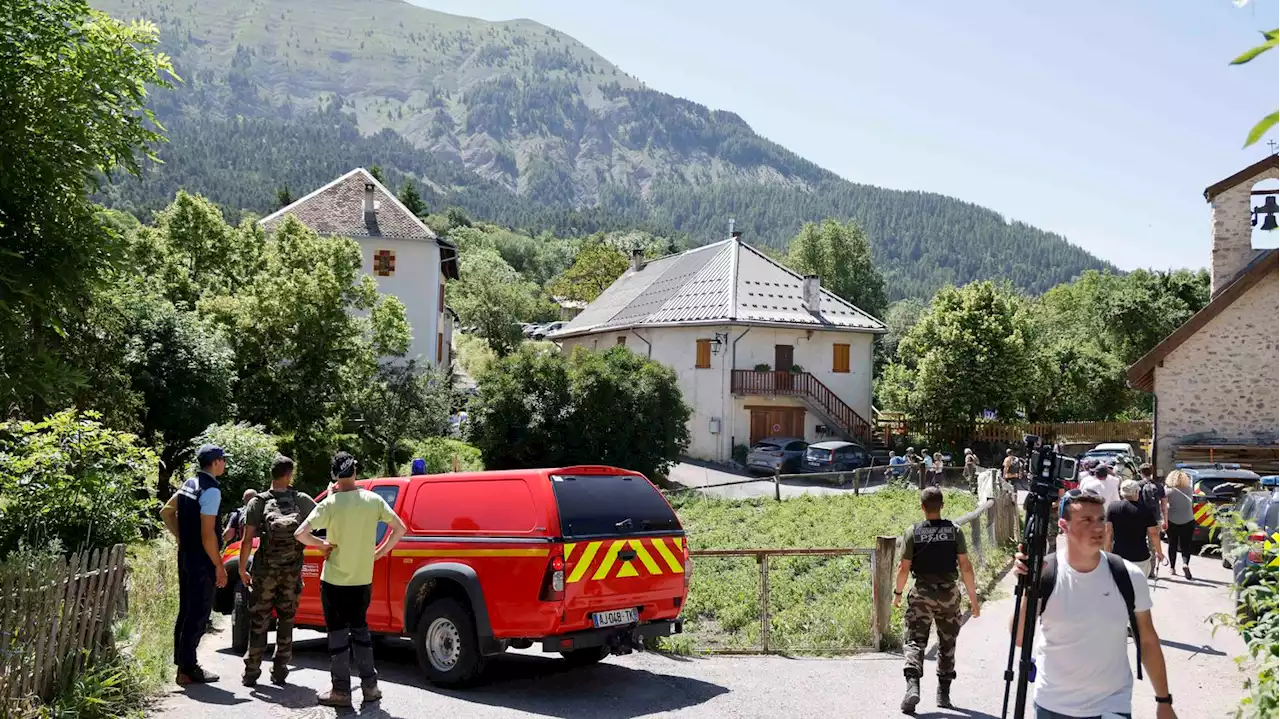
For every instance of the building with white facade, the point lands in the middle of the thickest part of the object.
(759, 350)
(402, 254)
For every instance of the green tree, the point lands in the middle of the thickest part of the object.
(307, 333)
(542, 409)
(283, 197)
(840, 254)
(184, 371)
(376, 171)
(69, 481)
(899, 319)
(401, 402)
(493, 297)
(73, 94)
(967, 354)
(596, 267)
(412, 201)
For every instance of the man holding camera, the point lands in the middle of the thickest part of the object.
(1082, 669)
(935, 554)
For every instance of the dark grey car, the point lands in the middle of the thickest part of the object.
(781, 453)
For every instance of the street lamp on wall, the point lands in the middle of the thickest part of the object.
(717, 341)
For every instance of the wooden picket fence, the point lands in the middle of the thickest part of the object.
(54, 617)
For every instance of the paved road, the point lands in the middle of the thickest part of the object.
(698, 475)
(1204, 679)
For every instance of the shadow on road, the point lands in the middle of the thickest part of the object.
(1202, 649)
(956, 712)
(543, 685)
(211, 694)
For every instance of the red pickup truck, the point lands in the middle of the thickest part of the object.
(585, 561)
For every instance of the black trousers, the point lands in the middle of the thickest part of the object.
(1180, 539)
(344, 619)
(196, 587)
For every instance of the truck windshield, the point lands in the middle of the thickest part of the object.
(611, 505)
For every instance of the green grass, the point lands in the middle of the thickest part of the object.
(815, 602)
(145, 635)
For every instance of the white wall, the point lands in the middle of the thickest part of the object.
(708, 391)
(416, 283)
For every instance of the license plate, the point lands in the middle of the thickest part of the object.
(615, 617)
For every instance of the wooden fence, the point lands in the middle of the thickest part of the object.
(54, 617)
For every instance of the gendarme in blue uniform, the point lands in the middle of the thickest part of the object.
(198, 497)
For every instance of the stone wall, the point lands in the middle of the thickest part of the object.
(1224, 378)
(1232, 231)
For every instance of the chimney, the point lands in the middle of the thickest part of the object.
(812, 293)
(637, 259)
(370, 204)
(731, 228)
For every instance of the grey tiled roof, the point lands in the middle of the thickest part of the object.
(338, 209)
(723, 282)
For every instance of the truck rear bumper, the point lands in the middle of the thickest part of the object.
(632, 636)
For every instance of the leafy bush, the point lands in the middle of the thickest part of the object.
(250, 451)
(474, 354)
(109, 688)
(1258, 623)
(740, 453)
(542, 409)
(439, 453)
(146, 632)
(71, 480)
(763, 367)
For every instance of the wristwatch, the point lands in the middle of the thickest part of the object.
(1167, 699)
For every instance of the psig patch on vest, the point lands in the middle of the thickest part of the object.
(927, 534)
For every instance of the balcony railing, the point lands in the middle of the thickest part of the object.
(805, 385)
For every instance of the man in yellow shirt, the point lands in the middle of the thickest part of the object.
(350, 517)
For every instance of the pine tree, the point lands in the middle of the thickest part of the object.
(283, 198)
(412, 201)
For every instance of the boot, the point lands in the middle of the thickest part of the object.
(335, 698)
(912, 697)
(279, 673)
(250, 678)
(371, 692)
(944, 693)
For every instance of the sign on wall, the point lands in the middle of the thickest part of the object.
(384, 263)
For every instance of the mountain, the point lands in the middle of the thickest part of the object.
(522, 125)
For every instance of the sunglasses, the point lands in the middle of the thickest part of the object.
(1072, 494)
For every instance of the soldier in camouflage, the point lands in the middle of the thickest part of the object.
(274, 577)
(935, 554)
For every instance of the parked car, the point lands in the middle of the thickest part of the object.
(834, 456)
(1214, 486)
(1260, 511)
(541, 332)
(585, 561)
(783, 454)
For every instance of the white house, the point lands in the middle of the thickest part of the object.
(403, 255)
(759, 350)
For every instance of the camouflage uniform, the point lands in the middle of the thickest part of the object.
(935, 598)
(276, 569)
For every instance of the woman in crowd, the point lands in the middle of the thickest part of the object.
(1182, 520)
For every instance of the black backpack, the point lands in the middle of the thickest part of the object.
(1119, 574)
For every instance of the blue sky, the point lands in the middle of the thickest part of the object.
(1100, 120)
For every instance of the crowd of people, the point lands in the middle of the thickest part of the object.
(285, 522)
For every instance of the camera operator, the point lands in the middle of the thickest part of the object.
(1081, 663)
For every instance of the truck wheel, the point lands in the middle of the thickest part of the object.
(585, 657)
(448, 650)
(240, 622)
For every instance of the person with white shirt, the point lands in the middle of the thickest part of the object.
(1103, 483)
(1081, 657)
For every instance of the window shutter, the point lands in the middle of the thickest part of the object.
(704, 354)
(439, 348)
(839, 358)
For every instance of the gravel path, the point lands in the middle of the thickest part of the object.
(1203, 677)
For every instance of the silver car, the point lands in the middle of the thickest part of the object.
(781, 453)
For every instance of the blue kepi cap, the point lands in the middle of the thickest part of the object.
(208, 453)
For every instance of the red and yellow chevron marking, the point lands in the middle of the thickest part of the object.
(599, 559)
(1270, 546)
(1204, 514)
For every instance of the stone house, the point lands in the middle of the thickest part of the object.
(402, 254)
(1215, 377)
(759, 350)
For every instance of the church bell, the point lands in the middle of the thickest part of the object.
(1268, 209)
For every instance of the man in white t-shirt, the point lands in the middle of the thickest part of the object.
(1103, 483)
(1081, 657)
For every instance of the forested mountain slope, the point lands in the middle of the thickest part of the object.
(522, 125)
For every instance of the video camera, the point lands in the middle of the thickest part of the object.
(1047, 468)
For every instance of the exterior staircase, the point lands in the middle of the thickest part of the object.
(816, 396)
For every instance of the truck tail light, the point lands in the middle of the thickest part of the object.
(1256, 540)
(688, 565)
(553, 580)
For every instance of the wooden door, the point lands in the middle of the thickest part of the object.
(776, 422)
(783, 358)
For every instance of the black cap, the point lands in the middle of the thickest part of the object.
(343, 466)
(208, 453)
